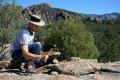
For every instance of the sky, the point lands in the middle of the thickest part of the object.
(79, 6)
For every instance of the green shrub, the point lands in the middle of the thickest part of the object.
(10, 22)
(107, 40)
(72, 40)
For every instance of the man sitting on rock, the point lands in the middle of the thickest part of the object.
(24, 50)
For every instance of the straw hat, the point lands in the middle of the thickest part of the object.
(34, 19)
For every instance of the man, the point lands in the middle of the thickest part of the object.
(24, 50)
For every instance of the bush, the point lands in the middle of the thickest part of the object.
(107, 38)
(72, 40)
(10, 22)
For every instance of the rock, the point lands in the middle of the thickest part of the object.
(75, 68)
(111, 67)
(65, 77)
(6, 53)
(4, 64)
(55, 61)
(102, 76)
(74, 59)
(13, 76)
(41, 70)
(54, 73)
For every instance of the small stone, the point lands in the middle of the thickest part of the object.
(58, 53)
(75, 59)
(54, 73)
(55, 61)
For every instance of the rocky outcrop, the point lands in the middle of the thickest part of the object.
(74, 69)
(12, 76)
(50, 15)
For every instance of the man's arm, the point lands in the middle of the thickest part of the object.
(29, 55)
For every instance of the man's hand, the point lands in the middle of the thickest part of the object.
(43, 57)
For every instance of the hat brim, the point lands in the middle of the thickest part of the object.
(41, 23)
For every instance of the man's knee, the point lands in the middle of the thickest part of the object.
(38, 44)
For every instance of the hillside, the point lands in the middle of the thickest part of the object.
(110, 18)
(51, 15)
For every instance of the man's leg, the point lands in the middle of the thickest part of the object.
(34, 48)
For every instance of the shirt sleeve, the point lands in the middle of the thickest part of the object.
(24, 39)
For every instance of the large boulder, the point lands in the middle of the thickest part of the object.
(75, 68)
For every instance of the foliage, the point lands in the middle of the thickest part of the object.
(107, 38)
(72, 39)
(10, 22)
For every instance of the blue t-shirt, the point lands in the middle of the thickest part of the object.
(23, 37)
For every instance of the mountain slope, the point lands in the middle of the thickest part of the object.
(50, 15)
(109, 16)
